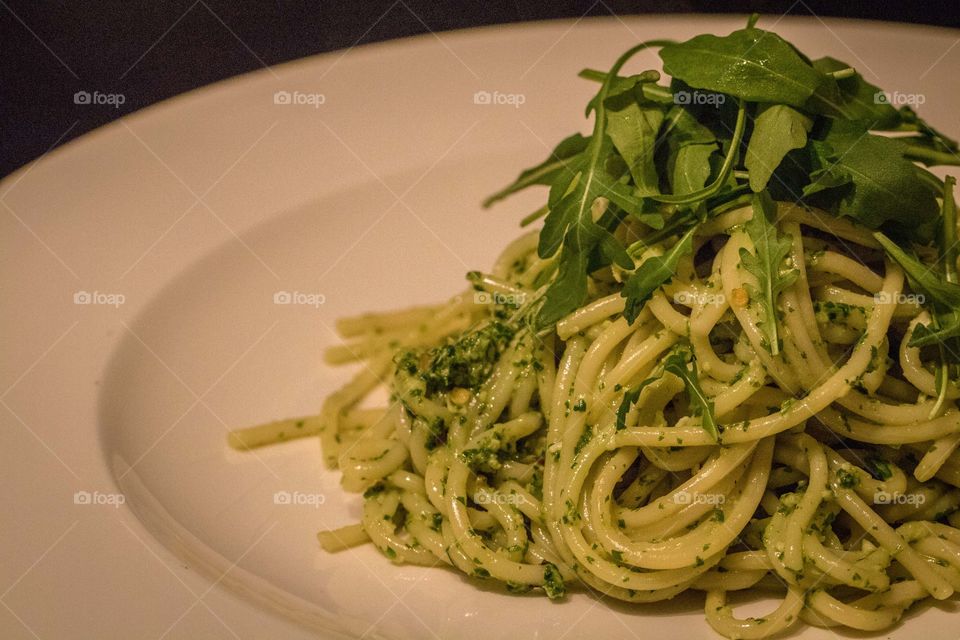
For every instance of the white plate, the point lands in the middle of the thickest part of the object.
(197, 211)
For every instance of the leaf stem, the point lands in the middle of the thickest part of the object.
(679, 223)
(949, 229)
(651, 91)
(949, 247)
(931, 156)
(530, 218)
(841, 74)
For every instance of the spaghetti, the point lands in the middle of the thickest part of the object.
(686, 381)
(827, 485)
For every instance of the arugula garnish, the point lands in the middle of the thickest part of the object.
(681, 363)
(941, 291)
(949, 348)
(767, 265)
(547, 171)
(850, 98)
(752, 64)
(630, 397)
(942, 297)
(723, 175)
(652, 273)
(777, 130)
(570, 225)
(633, 123)
(868, 178)
(746, 112)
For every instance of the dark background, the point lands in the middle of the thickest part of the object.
(152, 50)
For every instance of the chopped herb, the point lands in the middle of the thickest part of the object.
(553, 582)
(846, 479)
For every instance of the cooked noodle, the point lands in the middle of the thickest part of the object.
(835, 460)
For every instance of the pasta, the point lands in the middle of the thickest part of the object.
(827, 489)
(690, 379)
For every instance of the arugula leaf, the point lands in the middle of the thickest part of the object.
(683, 128)
(778, 129)
(867, 178)
(668, 163)
(910, 121)
(946, 324)
(944, 332)
(690, 168)
(569, 226)
(766, 265)
(946, 328)
(547, 171)
(723, 175)
(567, 290)
(949, 346)
(752, 64)
(632, 126)
(942, 296)
(828, 175)
(681, 363)
(690, 145)
(928, 281)
(621, 88)
(652, 273)
(630, 398)
(851, 98)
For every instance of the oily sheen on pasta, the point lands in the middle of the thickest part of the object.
(753, 401)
